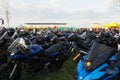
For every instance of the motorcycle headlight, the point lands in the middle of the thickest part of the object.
(88, 63)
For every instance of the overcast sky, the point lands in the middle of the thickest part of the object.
(74, 12)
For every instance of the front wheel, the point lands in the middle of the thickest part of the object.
(10, 72)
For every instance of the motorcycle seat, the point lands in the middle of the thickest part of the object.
(53, 48)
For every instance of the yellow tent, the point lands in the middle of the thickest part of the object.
(112, 25)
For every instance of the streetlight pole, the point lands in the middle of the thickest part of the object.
(5, 6)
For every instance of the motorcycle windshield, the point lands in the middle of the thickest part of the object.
(98, 54)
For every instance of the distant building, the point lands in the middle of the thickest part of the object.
(43, 25)
(95, 25)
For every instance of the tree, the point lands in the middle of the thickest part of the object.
(5, 6)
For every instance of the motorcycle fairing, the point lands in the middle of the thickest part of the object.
(101, 72)
(97, 55)
(36, 49)
(18, 56)
(114, 73)
(81, 71)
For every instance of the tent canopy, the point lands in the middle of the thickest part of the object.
(112, 25)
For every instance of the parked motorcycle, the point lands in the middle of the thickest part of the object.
(34, 58)
(97, 64)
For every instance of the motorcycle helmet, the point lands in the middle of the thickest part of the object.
(11, 31)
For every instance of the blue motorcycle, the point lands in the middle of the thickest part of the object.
(34, 58)
(98, 64)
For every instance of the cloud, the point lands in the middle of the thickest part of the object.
(73, 12)
(57, 2)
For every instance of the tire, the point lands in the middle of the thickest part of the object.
(6, 71)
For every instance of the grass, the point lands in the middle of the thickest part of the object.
(65, 73)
